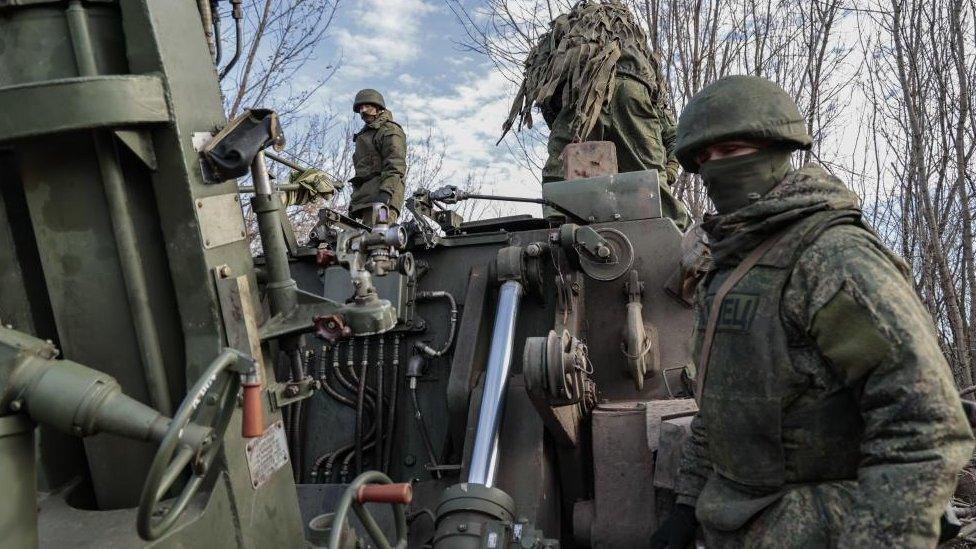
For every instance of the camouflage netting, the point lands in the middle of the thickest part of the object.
(575, 64)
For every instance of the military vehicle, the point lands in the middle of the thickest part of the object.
(511, 382)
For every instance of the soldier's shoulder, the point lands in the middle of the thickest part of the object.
(391, 127)
(850, 251)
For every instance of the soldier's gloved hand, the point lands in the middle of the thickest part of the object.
(678, 530)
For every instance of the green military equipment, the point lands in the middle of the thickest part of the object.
(506, 382)
(739, 107)
(368, 97)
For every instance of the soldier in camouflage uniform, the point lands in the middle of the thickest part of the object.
(380, 160)
(594, 78)
(828, 415)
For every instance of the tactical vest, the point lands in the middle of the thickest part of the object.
(768, 422)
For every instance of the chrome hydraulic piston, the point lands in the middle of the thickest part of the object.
(485, 452)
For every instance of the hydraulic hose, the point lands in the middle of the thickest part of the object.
(378, 411)
(422, 425)
(440, 294)
(360, 399)
(392, 411)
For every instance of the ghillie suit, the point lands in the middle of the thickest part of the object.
(594, 78)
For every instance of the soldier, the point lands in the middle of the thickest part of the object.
(380, 160)
(594, 78)
(828, 414)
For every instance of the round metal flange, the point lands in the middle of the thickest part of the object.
(617, 264)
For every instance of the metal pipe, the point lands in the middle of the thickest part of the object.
(427, 349)
(282, 160)
(485, 451)
(295, 426)
(206, 18)
(123, 229)
(218, 48)
(267, 206)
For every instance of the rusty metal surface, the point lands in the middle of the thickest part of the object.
(673, 435)
(589, 159)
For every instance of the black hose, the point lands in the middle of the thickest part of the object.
(360, 400)
(392, 411)
(424, 434)
(238, 16)
(378, 412)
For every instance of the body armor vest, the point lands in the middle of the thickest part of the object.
(770, 420)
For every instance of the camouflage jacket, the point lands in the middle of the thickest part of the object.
(575, 64)
(825, 368)
(380, 161)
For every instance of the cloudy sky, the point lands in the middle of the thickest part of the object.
(409, 50)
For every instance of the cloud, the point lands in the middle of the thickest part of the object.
(469, 116)
(382, 34)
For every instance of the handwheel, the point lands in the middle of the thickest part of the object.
(373, 487)
(154, 521)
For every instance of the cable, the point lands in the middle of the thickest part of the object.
(360, 399)
(424, 435)
(392, 411)
(378, 411)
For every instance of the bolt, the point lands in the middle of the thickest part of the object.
(533, 250)
(237, 198)
(410, 460)
(224, 271)
(616, 216)
(602, 251)
(206, 242)
(76, 430)
(16, 405)
(243, 234)
(462, 527)
(291, 390)
(199, 203)
(576, 287)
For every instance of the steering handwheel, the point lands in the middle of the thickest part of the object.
(199, 453)
(373, 487)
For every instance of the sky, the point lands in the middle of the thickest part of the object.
(410, 51)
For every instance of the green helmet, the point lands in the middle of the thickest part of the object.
(368, 96)
(738, 107)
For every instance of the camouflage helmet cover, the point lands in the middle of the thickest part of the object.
(368, 96)
(738, 107)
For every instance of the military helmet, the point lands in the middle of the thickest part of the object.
(368, 96)
(738, 107)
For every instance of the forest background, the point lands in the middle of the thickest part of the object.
(885, 86)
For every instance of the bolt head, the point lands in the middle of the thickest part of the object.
(224, 271)
(603, 252)
(16, 405)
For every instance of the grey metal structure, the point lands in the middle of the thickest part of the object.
(513, 379)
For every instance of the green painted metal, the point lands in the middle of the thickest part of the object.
(18, 514)
(119, 253)
(84, 103)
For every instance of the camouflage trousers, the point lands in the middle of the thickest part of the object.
(631, 122)
(806, 516)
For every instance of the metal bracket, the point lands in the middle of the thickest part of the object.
(283, 394)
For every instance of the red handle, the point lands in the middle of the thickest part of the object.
(385, 493)
(252, 422)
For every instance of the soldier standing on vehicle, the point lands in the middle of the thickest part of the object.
(594, 78)
(380, 160)
(828, 414)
